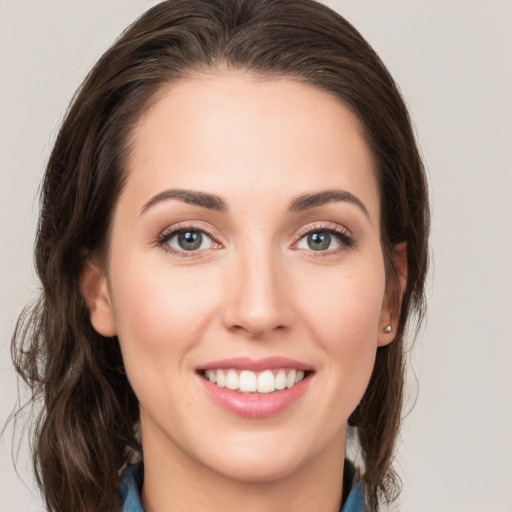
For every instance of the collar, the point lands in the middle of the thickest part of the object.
(132, 477)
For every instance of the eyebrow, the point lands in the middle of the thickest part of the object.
(307, 201)
(214, 202)
(210, 201)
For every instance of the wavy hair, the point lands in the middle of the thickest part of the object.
(86, 430)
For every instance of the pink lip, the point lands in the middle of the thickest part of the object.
(254, 405)
(255, 365)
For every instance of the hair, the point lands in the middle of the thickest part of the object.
(86, 429)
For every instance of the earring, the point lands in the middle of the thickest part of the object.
(388, 329)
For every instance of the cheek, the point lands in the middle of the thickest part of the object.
(342, 311)
(161, 317)
(345, 303)
(160, 313)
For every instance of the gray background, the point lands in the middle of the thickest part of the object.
(453, 61)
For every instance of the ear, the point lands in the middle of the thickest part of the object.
(94, 288)
(393, 299)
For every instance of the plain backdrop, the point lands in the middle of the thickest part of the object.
(453, 62)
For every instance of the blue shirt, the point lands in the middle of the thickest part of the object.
(131, 482)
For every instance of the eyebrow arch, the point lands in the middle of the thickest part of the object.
(214, 202)
(210, 201)
(307, 201)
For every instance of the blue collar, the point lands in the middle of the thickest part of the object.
(131, 482)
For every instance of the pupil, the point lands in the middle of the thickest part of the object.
(190, 240)
(319, 241)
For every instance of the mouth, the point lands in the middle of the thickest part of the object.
(255, 382)
(256, 388)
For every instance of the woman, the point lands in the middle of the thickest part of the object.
(233, 237)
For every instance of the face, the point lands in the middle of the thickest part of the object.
(245, 276)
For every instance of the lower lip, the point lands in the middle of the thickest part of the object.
(254, 405)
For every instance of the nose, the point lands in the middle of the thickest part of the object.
(258, 297)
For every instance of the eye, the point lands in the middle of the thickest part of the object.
(186, 240)
(319, 241)
(324, 239)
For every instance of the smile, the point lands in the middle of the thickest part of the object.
(247, 381)
(256, 388)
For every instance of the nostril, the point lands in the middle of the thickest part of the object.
(256, 330)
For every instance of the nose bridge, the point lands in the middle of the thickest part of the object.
(256, 298)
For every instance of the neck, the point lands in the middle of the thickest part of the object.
(175, 482)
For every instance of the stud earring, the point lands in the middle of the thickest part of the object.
(388, 329)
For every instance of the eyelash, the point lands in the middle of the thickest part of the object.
(344, 237)
(165, 236)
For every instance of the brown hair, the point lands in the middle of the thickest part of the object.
(86, 430)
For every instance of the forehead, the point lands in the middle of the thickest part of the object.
(237, 131)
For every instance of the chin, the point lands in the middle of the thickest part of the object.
(271, 456)
(256, 469)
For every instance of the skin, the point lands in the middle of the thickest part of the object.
(257, 290)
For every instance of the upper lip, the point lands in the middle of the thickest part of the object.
(255, 365)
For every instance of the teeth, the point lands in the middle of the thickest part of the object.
(232, 380)
(281, 379)
(211, 376)
(221, 379)
(290, 380)
(247, 381)
(266, 382)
